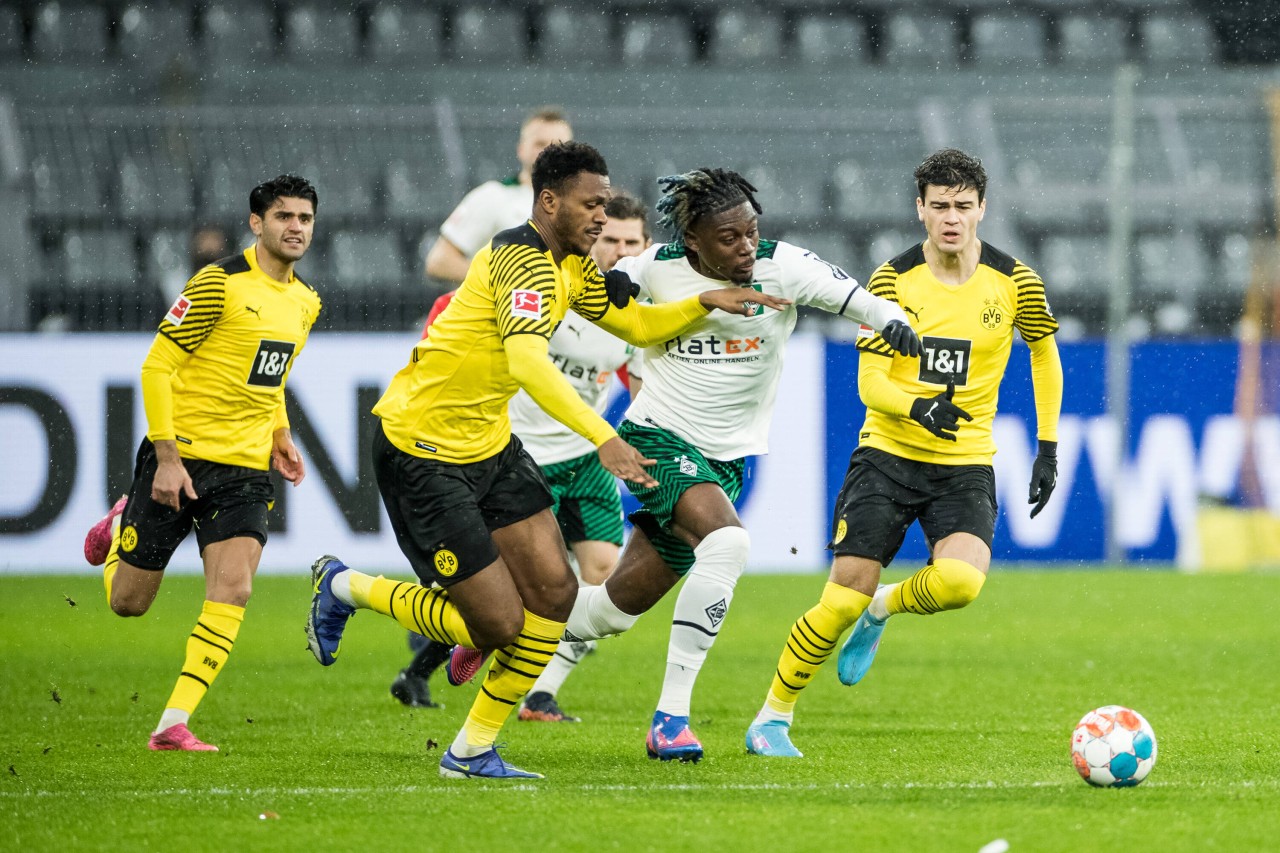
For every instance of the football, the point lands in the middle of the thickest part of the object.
(1113, 747)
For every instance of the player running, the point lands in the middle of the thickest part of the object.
(705, 407)
(915, 460)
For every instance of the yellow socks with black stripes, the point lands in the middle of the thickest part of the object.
(944, 584)
(113, 558)
(208, 648)
(813, 638)
(426, 610)
(513, 671)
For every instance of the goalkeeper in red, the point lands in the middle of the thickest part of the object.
(213, 389)
(925, 451)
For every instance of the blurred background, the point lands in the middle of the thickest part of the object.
(1132, 148)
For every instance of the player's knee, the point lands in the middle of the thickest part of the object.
(961, 583)
(123, 604)
(723, 554)
(232, 592)
(496, 630)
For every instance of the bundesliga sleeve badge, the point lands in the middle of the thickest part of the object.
(178, 310)
(526, 303)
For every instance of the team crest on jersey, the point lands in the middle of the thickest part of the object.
(687, 466)
(128, 538)
(178, 310)
(526, 303)
(842, 530)
(717, 611)
(992, 316)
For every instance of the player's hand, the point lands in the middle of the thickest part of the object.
(740, 300)
(902, 338)
(620, 287)
(285, 457)
(625, 462)
(938, 414)
(1044, 476)
(171, 483)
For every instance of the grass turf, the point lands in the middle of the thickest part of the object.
(958, 737)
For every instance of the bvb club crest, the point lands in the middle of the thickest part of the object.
(992, 316)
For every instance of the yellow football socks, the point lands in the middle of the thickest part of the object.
(944, 584)
(513, 671)
(113, 558)
(813, 639)
(426, 610)
(208, 648)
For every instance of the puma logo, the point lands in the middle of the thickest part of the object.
(913, 312)
(929, 414)
(254, 311)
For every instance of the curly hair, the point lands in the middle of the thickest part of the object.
(623, 205)
(561, 162)
(951, 167)
(689, 197)
(267, 193)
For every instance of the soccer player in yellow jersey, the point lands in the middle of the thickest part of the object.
(213, 389)
(925, 451)
(470, 507)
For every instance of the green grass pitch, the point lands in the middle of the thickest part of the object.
(958, 737)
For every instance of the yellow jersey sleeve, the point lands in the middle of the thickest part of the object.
(193, 314)
(533, 370)
(522, 281)
(1033, 318)
(884, 283)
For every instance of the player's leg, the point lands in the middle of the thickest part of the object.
(411, 686)
(870, 518)
(959, 521)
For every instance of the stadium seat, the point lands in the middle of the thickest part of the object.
(490, 34)
(62, 192)
(656, 40)
(147, 191)
(152, 34)
(1090, 40)
(1169, 264)
(234, 32)
(917, 40)
(345, 187)
(746, 37)
(1177, 39)
(314, 33)
(167, 262)
(788, 191)
(831, 38)
(223, 191)
(11, 34)
(414, 191)
(362, 260)
(1004, 37)
(99, 259)
(1074, 265)
(401, 32)
(66, 32)
(569, 36)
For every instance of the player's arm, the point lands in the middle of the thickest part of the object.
(531, 367)
(446, 261)
(462, 234)
(284, 453)
(825, 285)
(1037, 325)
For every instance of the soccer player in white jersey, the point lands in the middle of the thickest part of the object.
(495, 205)
(705, 407)
(587, 504)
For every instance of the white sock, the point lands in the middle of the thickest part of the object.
(768, 715)
(341, 586)
(172, 717)
(461, 749)
(567, 657)
(595, 616)
(878, 608)
(700, 610)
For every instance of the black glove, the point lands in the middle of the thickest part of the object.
(1044, 476)
(902, 338)
(938, 414)
(620, 287)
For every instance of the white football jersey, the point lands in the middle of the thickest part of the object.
(489, 208)
(715, 385)
(588, 357)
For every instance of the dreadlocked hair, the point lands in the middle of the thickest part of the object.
(689, 197)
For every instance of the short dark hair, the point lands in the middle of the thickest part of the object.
(623, 205)
(561, 162)
(267, 193)
(689, 197)
(951, 167)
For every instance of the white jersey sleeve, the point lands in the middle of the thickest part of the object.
(824, 285)
(489, 208)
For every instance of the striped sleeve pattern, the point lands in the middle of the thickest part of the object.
(524, 286)
(206, 292)
(884, 283)
(593, 301)
(1033, 320)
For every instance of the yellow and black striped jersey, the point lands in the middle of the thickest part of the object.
(234, 334)
(450, 401)
(966, 332)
